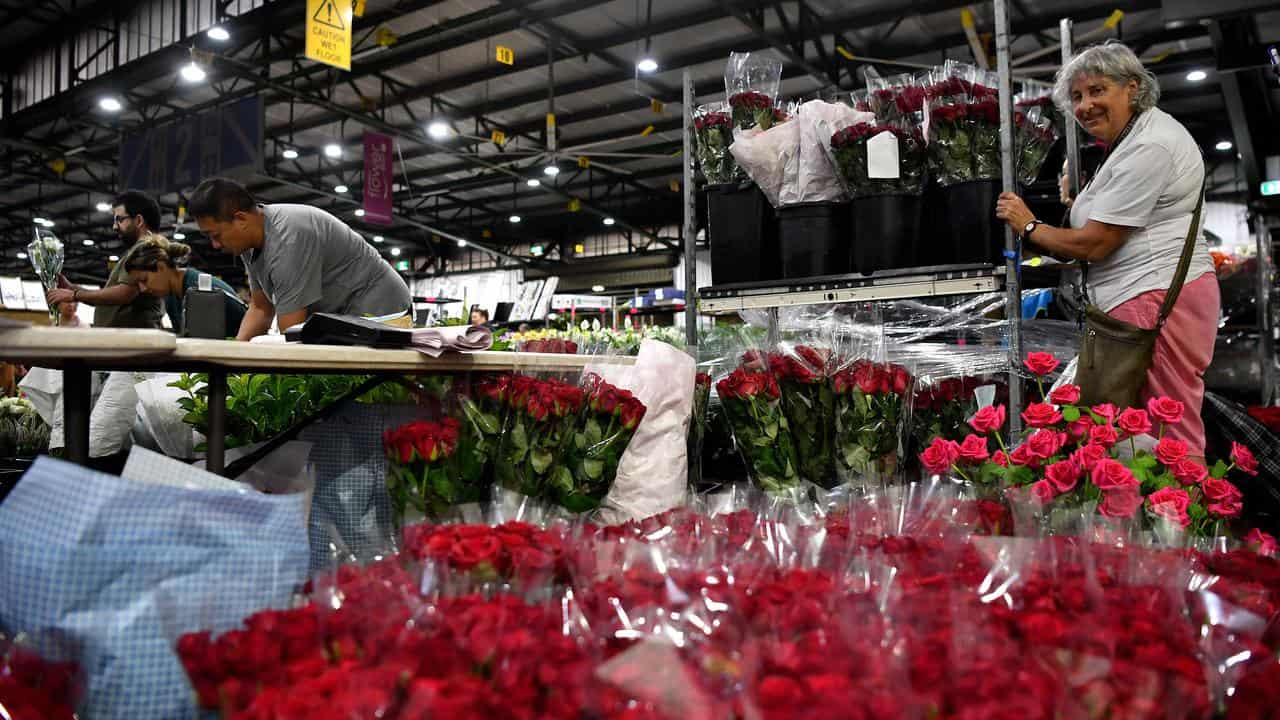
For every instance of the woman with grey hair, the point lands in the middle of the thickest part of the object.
(1131, 221)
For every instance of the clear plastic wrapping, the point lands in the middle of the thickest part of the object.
(751, 82)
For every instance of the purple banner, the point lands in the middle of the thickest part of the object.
(378, 178)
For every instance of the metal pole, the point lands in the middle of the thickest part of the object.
(1013, 291)
(1071, 128)
(77, 382)
(690, 226)
(1266, 329)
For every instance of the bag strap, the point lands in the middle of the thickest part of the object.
(1184, 262)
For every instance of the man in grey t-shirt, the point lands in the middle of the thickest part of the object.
(300, 260)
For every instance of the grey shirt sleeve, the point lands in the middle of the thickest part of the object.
(297, 269)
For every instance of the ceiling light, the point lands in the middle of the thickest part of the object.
(333, 150)
(378, 238)
(22, 256)
(395, 251)
(647, 65)
(462, 243)
(359, 212)
(1223, 145)
(39, 220)
(439, 129)
(110, 104)
(291, 154)
(551, 171)
(47, 223)
(609, 221)
(88, 242)
(533, 182)
(340, 189)
(192, 73)
(514, 218)
(1197, 75)
(219, 34)
(104, 207)
(597, 288)
(179, 236)
(114, 258)
(536, 250)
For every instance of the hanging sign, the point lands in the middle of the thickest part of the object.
(657, 106)
(329, 32)
(498, 137)
(584, 162)
(379, 175)
(505, 55)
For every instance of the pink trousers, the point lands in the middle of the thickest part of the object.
(1184, 349)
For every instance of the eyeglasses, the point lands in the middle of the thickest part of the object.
(119, 219)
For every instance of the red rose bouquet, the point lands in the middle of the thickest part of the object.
(751, 83)
(964, 123)
(868, 419)
(32, 688)
(609, 418)
(421, 475)
(712, 136)
(802, 373)
(1034, 137)
(1069, 459)
(897, 104)
(752, 405)
(541, 422)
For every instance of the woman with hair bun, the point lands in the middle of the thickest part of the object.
(159, 267)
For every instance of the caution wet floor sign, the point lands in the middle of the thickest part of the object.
(329, 32)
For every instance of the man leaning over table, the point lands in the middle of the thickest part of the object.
(300, 260)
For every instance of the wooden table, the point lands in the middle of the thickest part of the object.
(79, 351)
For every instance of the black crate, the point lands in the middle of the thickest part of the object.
(814, 239)
(742, 233)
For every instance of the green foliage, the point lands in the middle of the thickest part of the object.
(259, 407)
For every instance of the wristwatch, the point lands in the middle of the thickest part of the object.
(1026, 230)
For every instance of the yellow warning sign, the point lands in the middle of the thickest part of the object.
(498, 137)
(575, 204)
(657, 106)
(505, 55)
(329, 32)
(584, 162)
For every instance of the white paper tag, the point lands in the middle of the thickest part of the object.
(882, 157)
(985, 395)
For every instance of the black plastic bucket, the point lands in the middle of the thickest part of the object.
(887, 232)
(742, 233)
(813, 239)
(977, 235)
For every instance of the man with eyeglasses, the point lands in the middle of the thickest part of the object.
(119, 303)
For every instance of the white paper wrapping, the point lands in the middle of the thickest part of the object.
(653, 473)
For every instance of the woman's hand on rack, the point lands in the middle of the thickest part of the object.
(1011, 209)
(1064, 191)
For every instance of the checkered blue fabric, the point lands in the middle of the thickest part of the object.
(109, 571)
(351, 497)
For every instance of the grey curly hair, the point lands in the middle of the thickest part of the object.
(1114, 61)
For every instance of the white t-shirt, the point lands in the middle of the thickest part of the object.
(1150, 182)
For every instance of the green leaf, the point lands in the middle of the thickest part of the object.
(1219, 470)
(593, 468)
(1070, 413)
(592, 432)
(562, 478)
(540, 460)
(519, 437)
(771, 430)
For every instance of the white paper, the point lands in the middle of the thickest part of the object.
(11, 295)
(818, 179)
(882, 157)
(33, 295)
(435, 341)
(772, 159)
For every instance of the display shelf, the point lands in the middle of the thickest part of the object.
(885, 285)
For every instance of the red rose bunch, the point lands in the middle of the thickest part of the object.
(1068, 457)
(541, 419)
(869, 401)
(512, 550)
(751, 109)
(802, 372)
(32, 688)
(558, 346)
(848, 147)
(421, 474)
(752, 403)
(601, 434)
(941, 408)
(712, 136)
